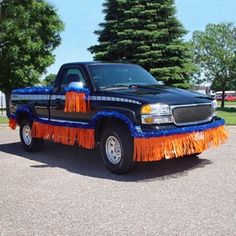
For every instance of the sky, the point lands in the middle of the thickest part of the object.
(81, 18)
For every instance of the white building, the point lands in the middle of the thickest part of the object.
(226, 93)
(2, 100)
(204, 89)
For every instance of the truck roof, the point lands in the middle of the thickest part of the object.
(85, 63)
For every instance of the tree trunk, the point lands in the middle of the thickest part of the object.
(8, 96)
(223, 98)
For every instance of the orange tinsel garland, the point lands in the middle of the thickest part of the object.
(65, 135)
(76, 102)
(12, 124)
(167, 147)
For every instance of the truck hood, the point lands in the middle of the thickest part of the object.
(160, 94)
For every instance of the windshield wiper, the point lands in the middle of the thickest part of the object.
(130, 86)
(118, 86)
(141, 85)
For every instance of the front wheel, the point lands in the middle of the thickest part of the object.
(117, 149)
(29, 143)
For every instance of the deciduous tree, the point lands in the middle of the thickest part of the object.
(49, 79)
(215, 53)
(29, 32)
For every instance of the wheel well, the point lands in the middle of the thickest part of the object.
(106, 122)
(21, 116)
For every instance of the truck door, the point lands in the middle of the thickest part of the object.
(57, 101)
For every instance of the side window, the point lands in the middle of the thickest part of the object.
(71, 75)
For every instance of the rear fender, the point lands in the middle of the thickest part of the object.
(24, 111)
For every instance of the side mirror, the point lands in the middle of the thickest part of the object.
(76, 85)
(161, 82)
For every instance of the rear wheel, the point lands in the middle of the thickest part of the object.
(117, 149)
(29, 143)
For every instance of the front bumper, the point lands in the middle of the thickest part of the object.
(171, 126)
(167, 143)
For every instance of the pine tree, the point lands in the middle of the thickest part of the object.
(145, 32)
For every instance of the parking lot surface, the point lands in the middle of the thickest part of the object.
(67, 191)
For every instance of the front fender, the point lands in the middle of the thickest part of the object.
(111, 114)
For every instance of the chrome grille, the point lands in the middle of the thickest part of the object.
(192, 114)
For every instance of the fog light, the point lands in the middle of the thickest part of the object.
(149, 120)
(154, 119)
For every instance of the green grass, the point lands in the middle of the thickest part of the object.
(227, 103)
(3, 120)
(228, 114)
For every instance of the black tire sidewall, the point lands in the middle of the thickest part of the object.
(126, 163)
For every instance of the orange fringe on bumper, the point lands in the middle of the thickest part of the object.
(12, 124)
(65, 135)
(167, 147)
(76, 102)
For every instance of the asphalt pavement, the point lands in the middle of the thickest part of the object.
(67, 191)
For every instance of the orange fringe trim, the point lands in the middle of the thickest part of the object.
(179, 145)
(12, 124)
(76, 102)
(65, 135)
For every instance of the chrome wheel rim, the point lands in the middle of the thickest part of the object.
(26, 134)
(113, 150)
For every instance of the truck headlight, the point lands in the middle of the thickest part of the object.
(156, 114)
(157, 109)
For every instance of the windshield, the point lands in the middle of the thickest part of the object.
(120, 75)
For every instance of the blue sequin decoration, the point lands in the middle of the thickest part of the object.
(33, 90)
(78, 90)
(158, 133)
(22, 109)
(104, 114)
(135, 133)
(180, 130)
(65, 124)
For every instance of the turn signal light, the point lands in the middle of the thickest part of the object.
(147, 109)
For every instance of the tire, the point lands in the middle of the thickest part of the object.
(117, 149)
(29, 144)
(193, 156)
